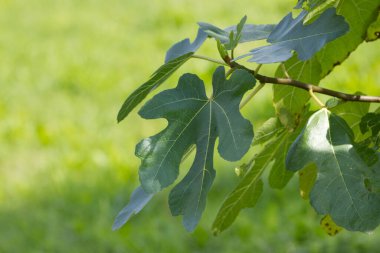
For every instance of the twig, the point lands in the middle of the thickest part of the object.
(209, 59)
(251, 95)
(308, 86)
(284, 70)
(319, 102)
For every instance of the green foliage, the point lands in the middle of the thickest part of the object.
(158, 77)
(292, 35)
(359, 14)
(68, 169)
(241, 33)
(340, 188)
(337, 151)
(249, 189)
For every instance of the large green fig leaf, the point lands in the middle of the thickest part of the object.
(340, 188)
(194, 119)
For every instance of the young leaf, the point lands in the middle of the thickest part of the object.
(184, 47)
(193, 118)
(248, 33)
(235, 36)
(249, 189)
(290, 34)
(340, 186)
(158, 77)
(139, 199)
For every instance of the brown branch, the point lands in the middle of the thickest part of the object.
(307, 86)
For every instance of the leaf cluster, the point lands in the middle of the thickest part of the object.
(335, 149)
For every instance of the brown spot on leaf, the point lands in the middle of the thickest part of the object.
(336, 63)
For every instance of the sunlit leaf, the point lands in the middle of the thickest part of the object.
(193, 118)
(340, 188)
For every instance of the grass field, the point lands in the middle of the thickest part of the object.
(67, 167)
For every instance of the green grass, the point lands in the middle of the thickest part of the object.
(67, 167)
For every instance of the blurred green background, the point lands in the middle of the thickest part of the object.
(67, 167)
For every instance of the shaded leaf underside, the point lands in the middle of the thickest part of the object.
(291, 34)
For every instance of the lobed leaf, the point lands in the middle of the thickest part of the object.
(193, 118)
(290, 34)
(158, 77)
(340, 188)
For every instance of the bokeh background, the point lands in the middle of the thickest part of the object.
(67, 167)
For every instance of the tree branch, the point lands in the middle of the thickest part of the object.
(308, 86)
(290, 82)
